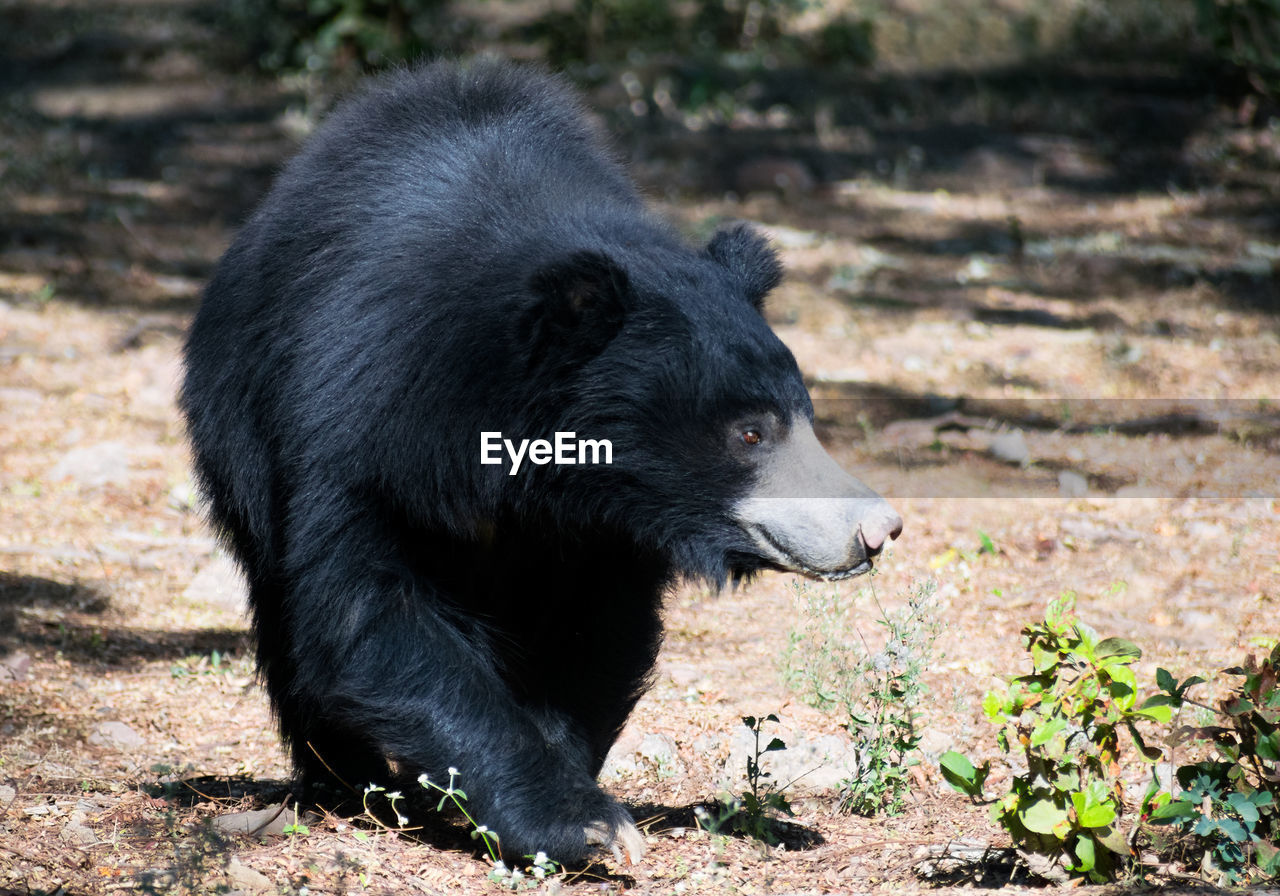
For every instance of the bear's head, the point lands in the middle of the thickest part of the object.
(665, 353)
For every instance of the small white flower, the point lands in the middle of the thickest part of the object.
(423, 780)
(453, 772)
(401, 820)
(395, 795)
(540, 858)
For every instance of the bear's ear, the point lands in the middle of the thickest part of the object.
(583, 298)
(748, 256)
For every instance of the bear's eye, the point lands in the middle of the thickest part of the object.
(751, 436)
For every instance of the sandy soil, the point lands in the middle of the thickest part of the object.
(1058, 331)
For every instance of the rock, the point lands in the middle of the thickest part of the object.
(821, 763)
(7, 795)
(683, 675)
(1072, 485)
(976, 270)
(219, 583)
(15, 667)
(618, 766)
(116, 735)
(268, 822)
(1049, 868)
(242, 877)
(1141, 491)
(1010, 447)
(92, 466)
(708, 746)
(633, 755)
(661, 752)
(999, 168)
(969, 857)
(622, 761)
(76, 830)
(1086, 530)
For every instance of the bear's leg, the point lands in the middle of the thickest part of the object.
(584, 640)
(599, 672)
(423, 685)
(332, 764)
(330, 758)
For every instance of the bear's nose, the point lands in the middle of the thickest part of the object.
(875, 532)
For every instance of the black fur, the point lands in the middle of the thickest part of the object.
(453, 252)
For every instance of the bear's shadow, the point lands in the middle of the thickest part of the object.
(446, 830)
(657, 819)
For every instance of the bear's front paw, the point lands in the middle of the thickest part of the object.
(619, 837)
(570, 828)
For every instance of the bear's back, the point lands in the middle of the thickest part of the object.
(481, 153)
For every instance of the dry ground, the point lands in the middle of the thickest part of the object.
(1079, 269)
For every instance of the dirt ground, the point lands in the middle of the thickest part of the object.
(1036, 307)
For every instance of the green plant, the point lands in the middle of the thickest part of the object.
(454, 794)
(877, 688)
(513, 876)
(756, 811)
(1229, 806)
(1065, 717)
(1226, 822)
(534, 873)
(985, 544)
(1065, 811)
(216, 663)
(961, 774)
(591, 30)
(296, 828)
(1246, 34)
(335, 35)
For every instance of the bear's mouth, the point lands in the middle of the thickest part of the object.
(783, 558)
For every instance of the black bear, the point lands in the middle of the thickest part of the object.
(463, 410)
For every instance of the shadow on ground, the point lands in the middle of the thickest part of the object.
(128, 165)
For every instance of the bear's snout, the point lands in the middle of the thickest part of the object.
(887, 526)
(807, 515)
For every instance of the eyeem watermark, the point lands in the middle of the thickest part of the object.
(564, 449)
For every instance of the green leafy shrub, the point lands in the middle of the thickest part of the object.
(349, 35)
(1246, 34)
(877, 688)
(1066, 812)
(592, 29)
(336, 35)
(1228, 811)
(1065, 717)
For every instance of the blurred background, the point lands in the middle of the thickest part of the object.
(1033, 255)
(200, 101)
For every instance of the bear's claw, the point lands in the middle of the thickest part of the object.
(625, 837)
